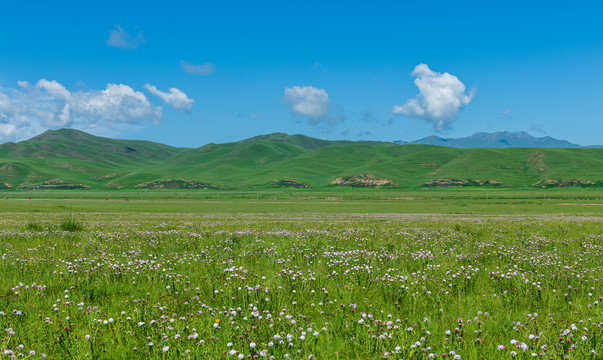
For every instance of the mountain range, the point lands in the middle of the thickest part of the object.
(502, 139)
(72, 159)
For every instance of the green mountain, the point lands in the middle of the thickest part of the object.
(72, 159)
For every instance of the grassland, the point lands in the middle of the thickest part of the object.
(431, 201)
(308, 285)
(71, 159)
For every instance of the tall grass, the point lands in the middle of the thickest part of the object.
(71, 224)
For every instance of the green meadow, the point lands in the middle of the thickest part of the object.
(302, 274)
(432, 201)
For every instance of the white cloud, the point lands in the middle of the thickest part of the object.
(54, 89)
(308, 101)
(4, 102)
(7, 130)
(203, 70)
(23, 84)
(175, 98)
(440, 98)
(120, 38)
(31, 110)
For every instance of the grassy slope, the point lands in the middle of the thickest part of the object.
(76, 157)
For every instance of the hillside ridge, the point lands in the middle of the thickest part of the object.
(73, 159)
(501, 139)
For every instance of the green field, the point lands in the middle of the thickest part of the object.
(429, 201)
(298, 274)
(71, 159)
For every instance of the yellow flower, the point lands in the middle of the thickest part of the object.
(217, 320)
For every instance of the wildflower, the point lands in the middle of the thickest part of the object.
(165, 348)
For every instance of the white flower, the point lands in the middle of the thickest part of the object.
(252, 345)
(241, 356)
(165, 348)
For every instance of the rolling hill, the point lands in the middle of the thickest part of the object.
(72, 159)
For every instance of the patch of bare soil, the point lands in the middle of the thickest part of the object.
(54, 185)
(284, 183)
(175, 184)
(363, 180)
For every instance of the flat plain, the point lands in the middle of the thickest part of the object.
(354, 274)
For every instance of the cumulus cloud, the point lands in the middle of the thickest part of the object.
(307, 101)
(30, 109)
(120, 38)
(203, 69)
(440, 98)
(175, 98)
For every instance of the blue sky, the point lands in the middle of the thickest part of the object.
(343, 70)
